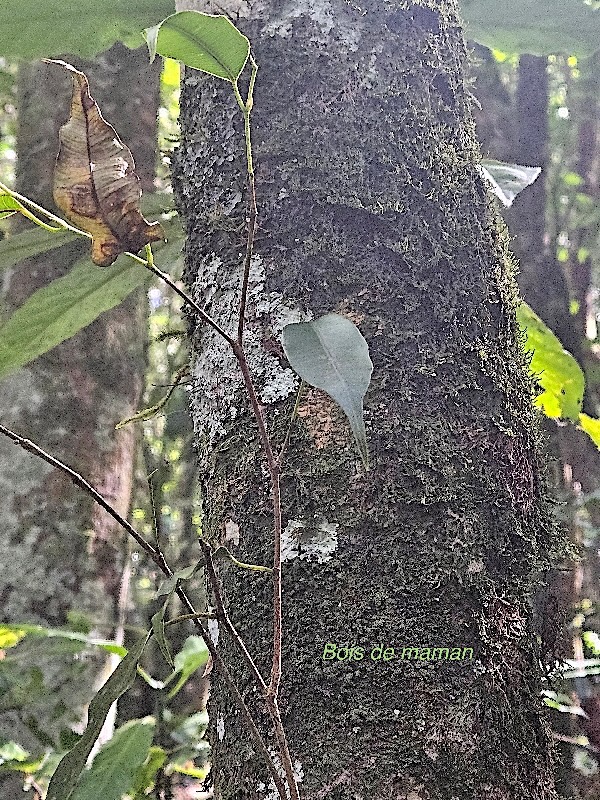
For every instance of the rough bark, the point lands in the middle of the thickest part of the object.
(370, 205)
(66, 554)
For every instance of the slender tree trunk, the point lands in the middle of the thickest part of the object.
(370, 205)
(66, 555)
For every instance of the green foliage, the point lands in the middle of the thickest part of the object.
(207, 42)
(72, 764)
(115, 768)
(192, 656)
(58, 311)
(78, 27)
(540, 27)
(508, 180)
(557, 372)
(158, 629)
(12, 634)
(332, 354)
(17, 247)
(146, 774)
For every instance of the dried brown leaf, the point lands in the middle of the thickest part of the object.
(95, 185)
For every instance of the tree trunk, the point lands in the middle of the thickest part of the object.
(66, 555)
(370, 205)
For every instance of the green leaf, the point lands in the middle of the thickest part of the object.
(169, 585)
(591, 426)
(193, 654)
(332, 354)
(114, 769)
(8, 205)
(19, 246)
(540, 27)
(58, 311)
(146, 774)
(12, 751)
(507, 180)
(79, 27)
(72, 764)
(12, 634)
(557, 372)
(158, 629)
(207, 42)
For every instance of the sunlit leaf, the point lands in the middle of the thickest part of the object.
(591, 426)
(540, 27)
(72, 764)
(95, 184)
(332, 354)
(114, 769)
(557, 372)
(80, 27)
(207, 42)
(507, 180)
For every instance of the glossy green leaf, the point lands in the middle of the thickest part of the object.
(72, 764)
(332, 354)
(12, 634)
(557, 372)
(34, 29)
(192, 656)
(58, 311)
(208, 42)
(114, 769)
(507, 180)
(540, 27)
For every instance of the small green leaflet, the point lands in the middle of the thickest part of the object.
(330, 353)
(507, 180)
(208, 42)
(72, 764)
(557, 372)
(114, 769)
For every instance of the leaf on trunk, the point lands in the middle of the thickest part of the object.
(95, 185)
(332, 354)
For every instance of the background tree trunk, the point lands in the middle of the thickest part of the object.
(66, 555)
(371, 205)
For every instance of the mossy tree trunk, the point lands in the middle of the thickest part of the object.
(66, 555)
(370, 205)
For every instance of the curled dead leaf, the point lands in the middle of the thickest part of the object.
(95, 185)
